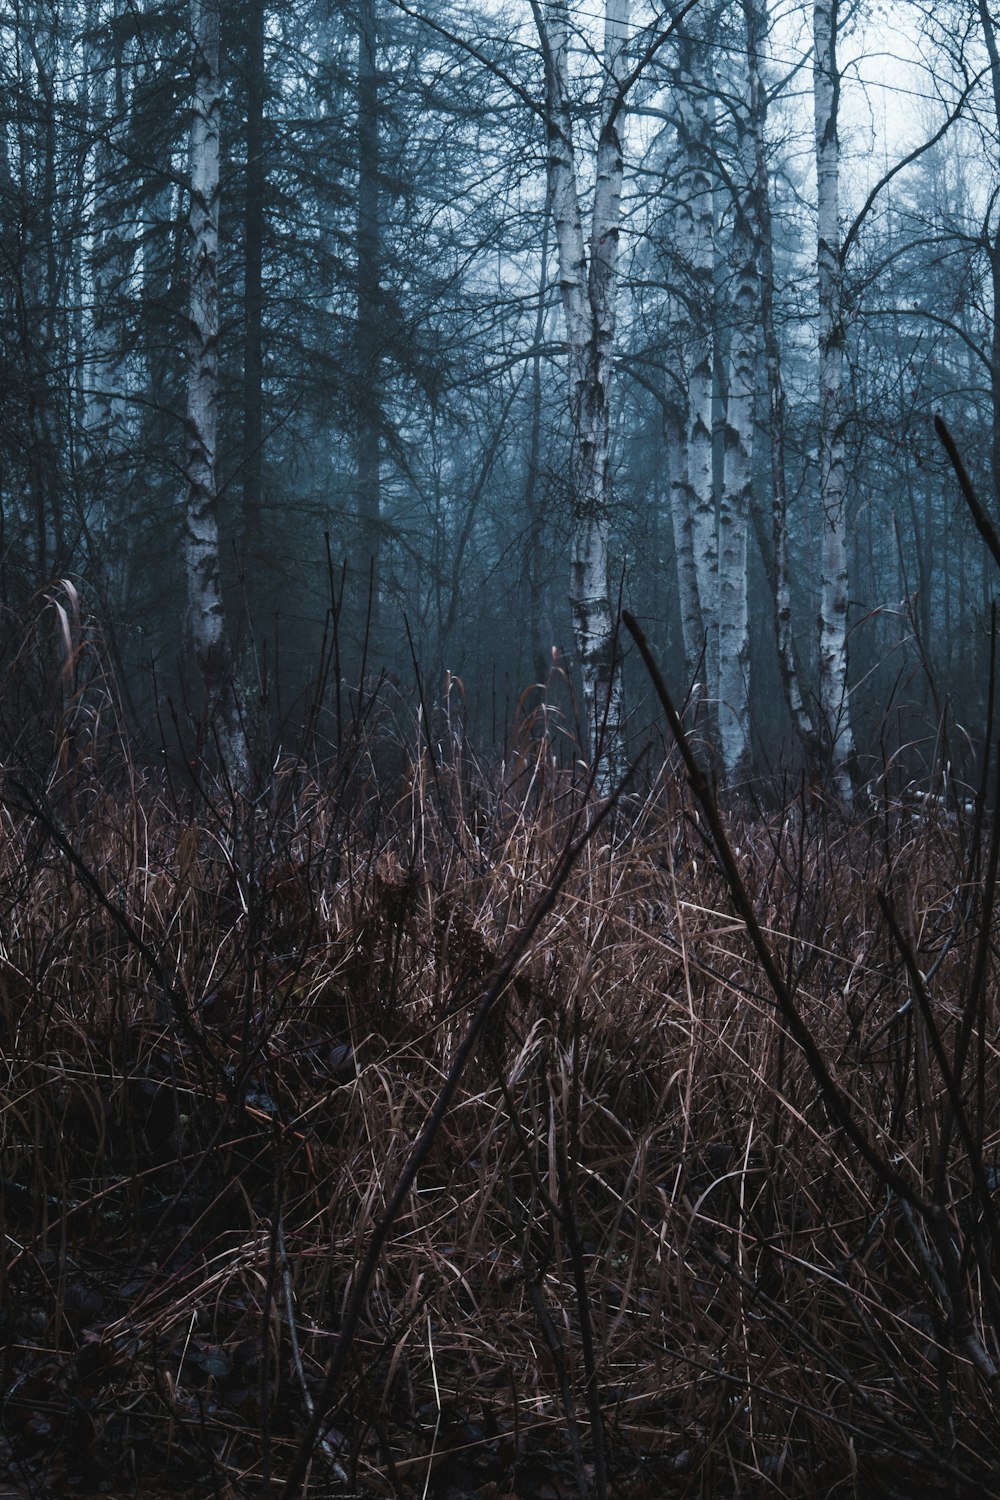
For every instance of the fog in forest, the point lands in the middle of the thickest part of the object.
(404, 344)
(499, 552)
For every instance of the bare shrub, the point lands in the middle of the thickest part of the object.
(642, 1253)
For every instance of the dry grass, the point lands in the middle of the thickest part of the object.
(638, 1259)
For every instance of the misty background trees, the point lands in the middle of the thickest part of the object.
(459, 326)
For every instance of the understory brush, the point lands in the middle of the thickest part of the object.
(642, 1253)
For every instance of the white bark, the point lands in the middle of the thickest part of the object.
(113, 249)
(833, 682)
(588, 285)
(682, 525)
(205, 612)
(692, 320)
(735, 501)
(759, 207)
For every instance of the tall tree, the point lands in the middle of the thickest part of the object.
(993, 249)
(253, 282)
(587, 278)
(695, 343)
(737, 479)
(833, 684)
(368, 393)
(209, 636)
(758, 207)
(689, 233)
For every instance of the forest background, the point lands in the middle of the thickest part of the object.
(420, 1073)
(475, 323)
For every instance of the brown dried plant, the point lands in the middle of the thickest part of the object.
(647, 1248)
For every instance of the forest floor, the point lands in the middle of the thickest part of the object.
(652, 1243)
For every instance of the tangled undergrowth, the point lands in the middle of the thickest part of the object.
(641, 1256)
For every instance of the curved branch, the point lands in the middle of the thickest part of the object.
(518, 89)
(932, 317)
(906, 161)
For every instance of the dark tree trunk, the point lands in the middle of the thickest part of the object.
(369, 331)
(253, 291)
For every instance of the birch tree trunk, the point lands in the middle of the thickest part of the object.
(833, 681)
(253, 286)
(735, 500)
(689, 424)
(992, 52)
(759, 206)
(587, 276)
(207, 624)
(531, 560)
(695, 238)
(682, 526)
(110, 269)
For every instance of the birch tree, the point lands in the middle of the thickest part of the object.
(253, 276)
(112, 241)
(682, 527)
(694, 232)
(206, 617)
(736, 497)
(689, 235)
(710, 527)
(758, 209)
(587, 278)
(833, 684)
(991, 236)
